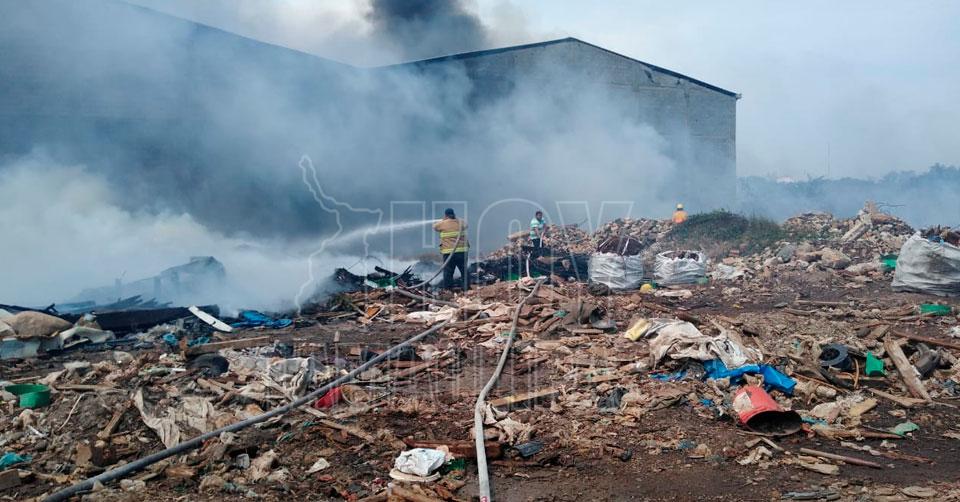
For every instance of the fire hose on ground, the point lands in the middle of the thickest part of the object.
(196, 442)
(445, 262)
(483, 477)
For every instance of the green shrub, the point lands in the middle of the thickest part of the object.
(726, 230)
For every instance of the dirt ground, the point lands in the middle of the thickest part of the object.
(681, 450)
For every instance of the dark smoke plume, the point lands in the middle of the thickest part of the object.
(428, 28)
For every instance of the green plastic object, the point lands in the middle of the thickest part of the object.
(889, 261)
(904, 427)
(935, 309)
(386, 282)
(874, 366)
(31, 395)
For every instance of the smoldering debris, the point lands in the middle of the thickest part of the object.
(202, 276)
(805, 345)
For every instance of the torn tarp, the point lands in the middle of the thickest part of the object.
(252, 319)
(682, 340)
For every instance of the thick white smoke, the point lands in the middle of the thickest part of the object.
(63, 230)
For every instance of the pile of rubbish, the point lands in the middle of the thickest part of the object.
(800, 357)
(639, 357)
(811, 239)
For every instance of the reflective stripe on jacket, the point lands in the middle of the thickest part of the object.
(536, 228)
(449, 229)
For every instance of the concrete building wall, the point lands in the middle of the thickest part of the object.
(697, 120)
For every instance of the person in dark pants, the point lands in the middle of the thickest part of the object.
(453, 240)
(537, 229)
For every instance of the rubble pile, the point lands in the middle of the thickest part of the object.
(788, 371)
(647, 231)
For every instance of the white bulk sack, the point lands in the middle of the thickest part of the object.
(928, 267)
(669, 269)
(617, 272)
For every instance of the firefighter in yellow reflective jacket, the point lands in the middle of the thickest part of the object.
(453, 240)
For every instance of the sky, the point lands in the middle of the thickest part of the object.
(856, 88)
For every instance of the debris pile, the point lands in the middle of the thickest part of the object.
(782, 369)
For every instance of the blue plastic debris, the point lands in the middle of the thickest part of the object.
(10, 458)
(252, 319)
(170, 339)
(669, 377)
(200, 340)
(716, 369)
(772, 378)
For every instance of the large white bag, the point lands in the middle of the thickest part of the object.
(669, 268)
(928, 267)
(617, 272)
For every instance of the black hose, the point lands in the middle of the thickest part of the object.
(424, 299)
(445, 262)
(141, 463)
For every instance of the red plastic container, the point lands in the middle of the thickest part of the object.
(758, 412)
(332, 397)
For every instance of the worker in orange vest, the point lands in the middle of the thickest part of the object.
(679, 216)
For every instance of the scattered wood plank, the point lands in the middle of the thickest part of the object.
(478, 322)
(526, 397)
(310, 410)
(243, 343)
(403, 364)
(587, 362)
(657, 307)
(460, 449)
(585, 331)
(842, 458)
(413, 370)
(602, 378)
(421, 298)
(931, 341)
(819, 303)
(348, 429)
(855, 434)
(95, 388)
(114, 420)
(9, 478)
(878, 332)
(906, 402)
(548, 325)
(405, 494)
(907, 371)
(527, 366)
(379, 497)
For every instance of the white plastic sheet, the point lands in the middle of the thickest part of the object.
(669, 269)
(419, 461)
(928, 267)
(617, 272)
(681, 340)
